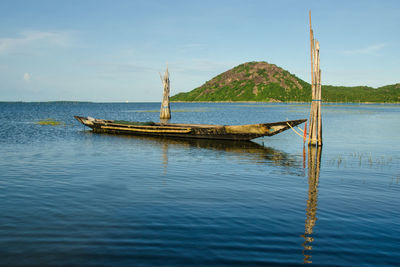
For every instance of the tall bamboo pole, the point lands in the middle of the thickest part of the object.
(312, 72)
(315, 95)
(165, 112)
(318, 119)
(312, 130)
(319, 110)
(315, 131)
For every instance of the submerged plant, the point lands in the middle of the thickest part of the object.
(48, 121)
(361, 160)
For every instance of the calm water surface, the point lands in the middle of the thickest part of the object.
(71, 197)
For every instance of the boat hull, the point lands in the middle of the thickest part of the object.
(201, 131)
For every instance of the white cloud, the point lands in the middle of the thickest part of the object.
(27, 76)
(366, 50)
(28, 38)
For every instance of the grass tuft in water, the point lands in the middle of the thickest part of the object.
(361, 160)
(48, 121)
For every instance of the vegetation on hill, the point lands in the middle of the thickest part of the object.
(261, 81)
(384, 94)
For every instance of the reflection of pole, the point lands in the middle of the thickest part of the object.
(314, 164)
(165, 156)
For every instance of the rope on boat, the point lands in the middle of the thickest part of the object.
(294, 130)
(301, 130)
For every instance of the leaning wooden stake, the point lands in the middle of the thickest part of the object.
(319, 140)
(165, 112)
(315, 131)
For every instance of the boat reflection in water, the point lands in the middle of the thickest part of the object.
(314, 164)
(244, 150)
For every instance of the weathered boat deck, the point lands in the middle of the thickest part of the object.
(204, 131)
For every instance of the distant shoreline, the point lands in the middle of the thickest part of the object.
(49, 102)
(286, 102)
(250, 102)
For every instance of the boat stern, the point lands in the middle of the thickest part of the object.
(88, 121)
(278, 127)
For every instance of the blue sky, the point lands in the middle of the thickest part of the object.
(110, 51)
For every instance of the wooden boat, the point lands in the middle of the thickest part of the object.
(204, 131)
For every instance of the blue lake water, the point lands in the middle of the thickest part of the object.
(71, 197)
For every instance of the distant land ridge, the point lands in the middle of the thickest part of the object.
(265, 82)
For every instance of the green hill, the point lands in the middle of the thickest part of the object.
(384, 94)
(261, 81)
